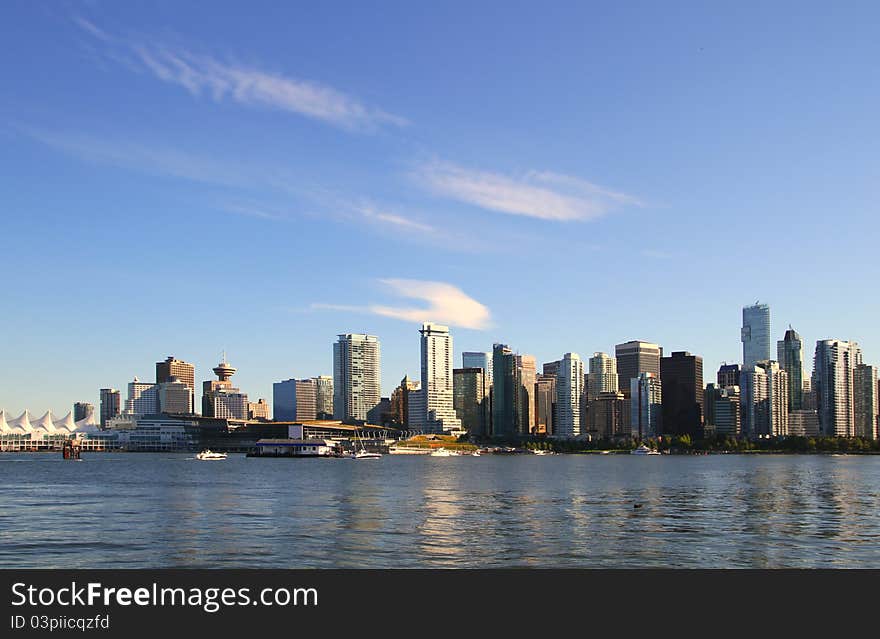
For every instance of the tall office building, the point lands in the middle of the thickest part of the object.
(633, 359)
(471, 399)
(259, 410)
(437, 356)
(764, 400)
(324, 396)
(722, 410)
(356, 376)
(551, 368)
(417, 411)
(143, 398)
(834, 364)
(755, 334)
(184, 371)
(569, 389)
(646, 406)
(295, 400)
(477, 359)
(865, 401)
(728, 375)
(175, 397)
(682, 378)
(602, 377)
(608, 416)
(231, 403)
(504, 399)
(83, 410)
(790, 355)
(210, 387)
(525, 389)
(545, 403)
(111, 405)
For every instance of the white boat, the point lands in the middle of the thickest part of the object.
(362, 452)
(476, 453)
(644, 450)
(542, 452)
(207, 455)
(442, 452)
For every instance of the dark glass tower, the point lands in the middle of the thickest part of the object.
(682, 377)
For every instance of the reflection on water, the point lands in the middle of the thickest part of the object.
(164, 510)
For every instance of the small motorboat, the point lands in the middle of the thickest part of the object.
(365, 454)
(442, 452)
(209, 455)
(644, 450)
(476, 453)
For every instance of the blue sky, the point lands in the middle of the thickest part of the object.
(180, 179)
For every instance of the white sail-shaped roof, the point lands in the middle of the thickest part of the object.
(21, 425)
(4, 425)
(87, 425)
(66, 424)
(45, 424)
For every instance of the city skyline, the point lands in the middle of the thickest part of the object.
(302, 178)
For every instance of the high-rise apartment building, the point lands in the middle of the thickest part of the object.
(174, 397)
(259, 410)
(608, 416)
(602, 377)
(356, 376)
(437, 356)
(682, 378)
(525, 389)
(231, 403)
(111, 405)
(143, 398)
(545, 403)
(324, 396)
(755, 334)
(764, 400)
(834, 365)
(865, 401)
(83, 410)
(569, 389)
(400, 400)
(790, 355)
(633, 359)
(184, 371)
(646, 406)
(294, 400)
(471, 399)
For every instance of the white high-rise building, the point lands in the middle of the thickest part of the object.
(437, 356)
(646, 405)
(356, 376)
(755, 334)
(602, 377)
(764, 399)
(323, 396)
(143, 398)
(833, 367)
(569, 389)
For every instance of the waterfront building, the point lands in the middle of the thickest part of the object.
(834, 365)
(633, 359)
(259, 410)
(224, 373)
(764, 400)
(569, 389)
(294, 400)
(728, 375)
(356, 376)
(723, 410)
(400, 400)
(324, 396)
(183, 371)
(111, 404)
(865, 401)
(143, 398)
(525, 388)
(436, 358)
(602, 377)
(175, 397)
(790, 355)
(755, 334)
(545, 403)
(471, 399)
(608, 416)
(477, 359)
(83, 410)
(504, 406)
(682, 378)
(803, 423)
(417, 412)
(646, 406)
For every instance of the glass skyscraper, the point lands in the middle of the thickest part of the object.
(755, 334)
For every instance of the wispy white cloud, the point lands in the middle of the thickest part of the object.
(394, 220)
(443, 303)
(245, 84)
(542, 195)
